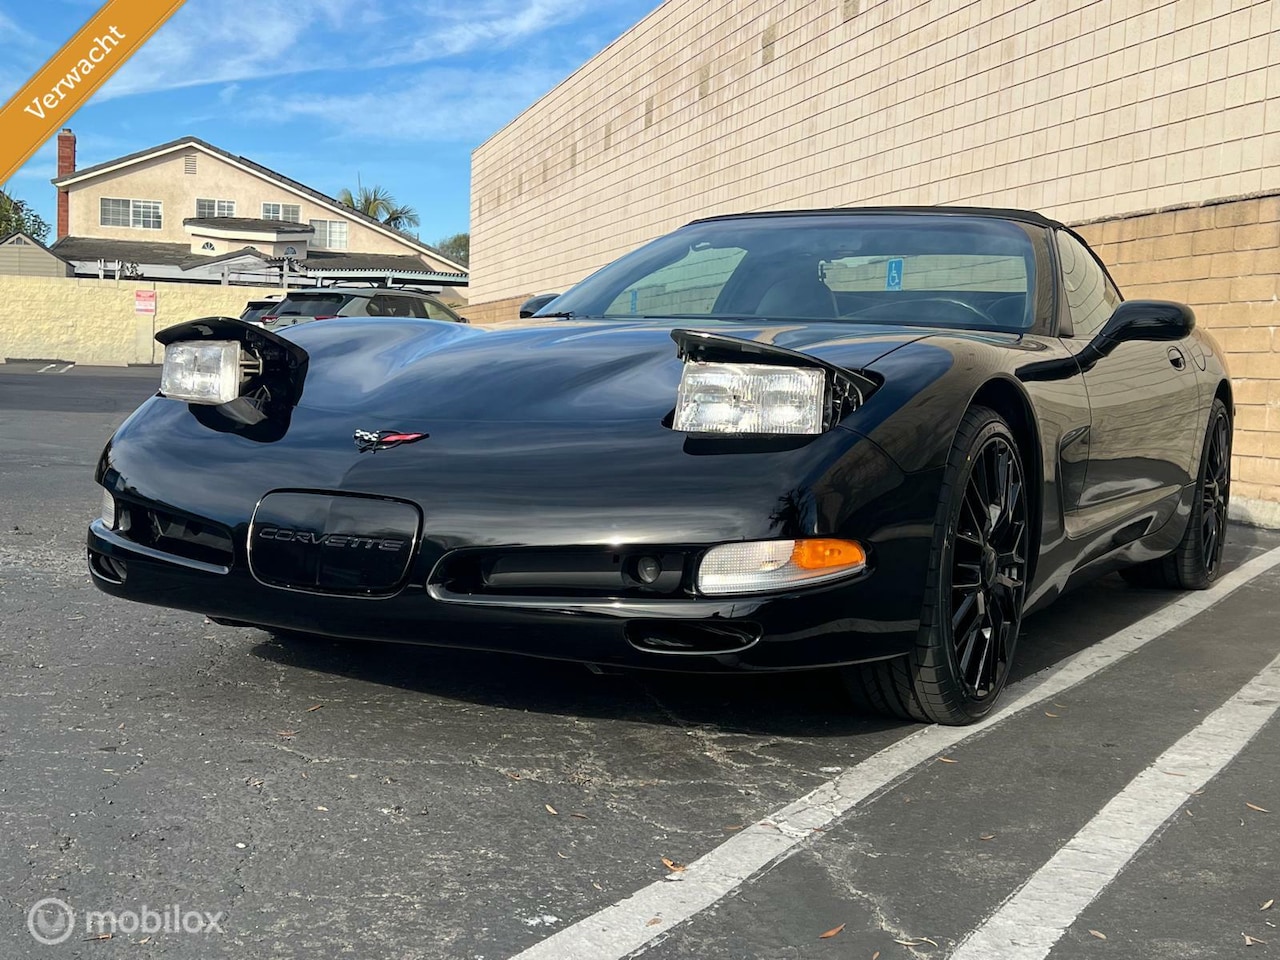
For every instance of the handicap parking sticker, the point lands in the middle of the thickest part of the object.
(893, 278)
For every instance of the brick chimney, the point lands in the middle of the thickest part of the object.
(66, 165)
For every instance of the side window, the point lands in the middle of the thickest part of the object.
(437, 312)
(1091, 297)
(690, 285)
(410, 307)
(378, 307)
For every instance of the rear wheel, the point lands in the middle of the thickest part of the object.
(974, 591)
(1195, 562)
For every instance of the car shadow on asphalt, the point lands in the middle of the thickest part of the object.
(808, 704)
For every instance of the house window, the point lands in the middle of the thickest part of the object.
(140, 214)
(146, 214)
(114, 213)
(290, 251)
(288, 212)
(215, 208)
(207, 245)
(19, 242)
(330, 234)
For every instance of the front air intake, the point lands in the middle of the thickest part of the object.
(698, 637)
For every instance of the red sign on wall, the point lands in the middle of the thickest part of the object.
(144, 301)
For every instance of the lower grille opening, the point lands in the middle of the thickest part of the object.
(691, 637)
(108, 568)
(182, 536)
(602, 572)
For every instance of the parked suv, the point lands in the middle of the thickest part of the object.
(326, 303)
(255, 310)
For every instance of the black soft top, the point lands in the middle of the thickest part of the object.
(995, 213)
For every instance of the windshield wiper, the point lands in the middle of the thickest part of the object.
(702, 316)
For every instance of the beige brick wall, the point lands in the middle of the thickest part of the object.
(1078, 108)
(495, 311)
(1224, 260)
(93, 321)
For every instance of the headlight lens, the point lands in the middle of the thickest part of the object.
(764, 565)
(750, 398)
(206, 371)
(108, 510)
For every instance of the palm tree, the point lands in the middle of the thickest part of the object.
(377, 202)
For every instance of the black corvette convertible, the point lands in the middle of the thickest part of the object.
(870, 439)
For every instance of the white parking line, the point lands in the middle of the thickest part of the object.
(47, 366)
(1030, 922)
(66, 368)
(623, 928)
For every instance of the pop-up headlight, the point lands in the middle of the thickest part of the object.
(750, 398)
(201, 371)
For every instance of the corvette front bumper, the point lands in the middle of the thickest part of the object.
(819, 626)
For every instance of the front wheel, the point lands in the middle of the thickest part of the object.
(974, 591)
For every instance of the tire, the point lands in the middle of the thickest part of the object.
(974, 590)
(1196, 560)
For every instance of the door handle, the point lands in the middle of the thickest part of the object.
(1177, 358)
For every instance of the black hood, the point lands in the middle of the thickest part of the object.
(553, 370)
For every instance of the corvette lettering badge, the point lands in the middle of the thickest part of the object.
(375, 440)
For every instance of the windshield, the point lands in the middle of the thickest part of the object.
(965, 272)
(311, 305)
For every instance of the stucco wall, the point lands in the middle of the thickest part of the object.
(93, 321)
(1077, 108)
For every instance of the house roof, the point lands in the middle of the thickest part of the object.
(249, 224)
(130, 251)
(88, 172)
(329, 262)
(336, 264)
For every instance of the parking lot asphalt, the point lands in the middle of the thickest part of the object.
(330, 799)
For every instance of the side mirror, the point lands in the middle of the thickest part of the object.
(1148, 320)
(534, 304)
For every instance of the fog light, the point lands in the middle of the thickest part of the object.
(648, 569)
(766, 565)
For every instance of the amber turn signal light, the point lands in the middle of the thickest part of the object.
(822, 554)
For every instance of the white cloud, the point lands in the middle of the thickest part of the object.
(207, 43)
(43, 165)
(10, 32)
(18, 62)
(496, 24)
(440, 105)
(239, 40)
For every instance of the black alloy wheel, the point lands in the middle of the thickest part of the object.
(1215, 492)
(989, 568)
(975, 589)
(1195, 563)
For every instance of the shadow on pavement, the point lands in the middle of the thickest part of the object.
(803, 704)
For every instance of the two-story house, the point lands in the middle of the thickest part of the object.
(187, 210)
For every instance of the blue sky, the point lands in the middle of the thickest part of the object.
(397, 91)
